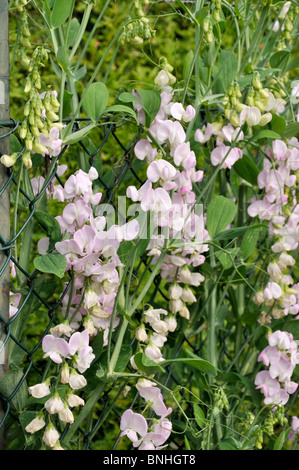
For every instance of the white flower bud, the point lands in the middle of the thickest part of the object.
(51, 436)
(144, 383)
(259, 298)
(132, 362)
(175, 291)
(65, 374)
(74, 400)
(65, 415)
(285, 260)
(274, 270)
(26, 159)
(175, 305)
(188, 296)
(89, 326)
(110, 287)
(40, 390)
(153, 353)
(160, 327)
(267, 117)
(90, 298)
(141, 334)
(9, 160)
(184, 312)
(77, 381)
(54, 404)
(171, 323)
(63, 329)
(35, 425)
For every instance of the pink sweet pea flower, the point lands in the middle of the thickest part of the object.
(79, 345)
(154, 398)
(53, 143)
(268, 385)
(133, 424)
(184, 156)
(225, 154)
(161, 169)
(144, 150)
(55, 348)
(272, 291)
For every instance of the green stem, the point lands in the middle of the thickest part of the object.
(15, 216)
(91, 34)
(211, 330)
(116, 352)
(82, 29)
(241, 288)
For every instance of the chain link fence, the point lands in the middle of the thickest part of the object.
(21, 336)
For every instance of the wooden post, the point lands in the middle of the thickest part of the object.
(5, 197)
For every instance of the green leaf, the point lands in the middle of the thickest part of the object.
(150, 101)
(63, 58)
(187, 444)
(247, 169)
(220, 214)
(249, 241)
(120, 108)
(124, 357)
(187, 64)
(279, 442)
(52, 263)
(265, 134)
(73, 31)
(226, 257)
(228, 444)
(228, 66)
(291, 130)
(278, 124)
(199, 416)
(293, 64)
(279, 59)
(61, 11)
(236, 232)
(78, 135)
(95, 100)
(250, 388)
(9, 384)
(50, 225)
(147, 365)
(201, 14)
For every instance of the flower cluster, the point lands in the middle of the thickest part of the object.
(61, 346)
(280, 209)
(38, 130)
(135, 426)
(281, 356)
(168, 196)
(90, 248)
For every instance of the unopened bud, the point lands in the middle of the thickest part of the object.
(26, 159)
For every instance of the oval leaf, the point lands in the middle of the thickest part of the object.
(52, 263)
(220, 214)
(61, 11)
(95, 100)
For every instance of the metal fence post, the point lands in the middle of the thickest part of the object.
(4, 195)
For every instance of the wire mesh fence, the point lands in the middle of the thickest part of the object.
(21, 337)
